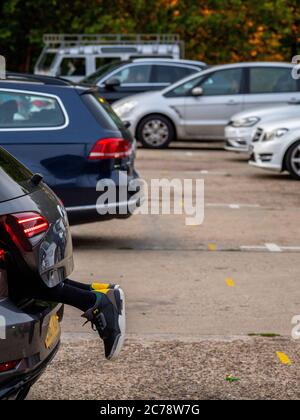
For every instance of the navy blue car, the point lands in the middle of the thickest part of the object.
(71, 136)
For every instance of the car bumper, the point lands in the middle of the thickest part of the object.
(12, 389)
(123, 207)
(27, 342)
(266, 155)
(238, 139)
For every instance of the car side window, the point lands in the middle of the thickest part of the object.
(134, 74)
(72, 66)
(224, 82)
(272, 80)
(170, 74)
(22, 110)
(185, 88)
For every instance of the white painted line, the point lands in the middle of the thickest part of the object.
(291, 248)
(273, 248)
(255, 247)
(235, 206)
(269, 248)
(204, 172)
(190, 154)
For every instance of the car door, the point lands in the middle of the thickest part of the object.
(271, 85)
(207, 115)
(133, 78)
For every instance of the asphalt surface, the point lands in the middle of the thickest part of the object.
(195, 294)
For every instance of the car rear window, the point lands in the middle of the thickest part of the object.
(103, 112)
(14, 177)
(26, 110)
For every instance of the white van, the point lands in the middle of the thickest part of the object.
(76, 56)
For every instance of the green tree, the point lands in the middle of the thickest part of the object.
(215, 31)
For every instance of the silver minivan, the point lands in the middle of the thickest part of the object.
(200, 106)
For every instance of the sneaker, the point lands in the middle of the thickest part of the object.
(108, 318)
(103, 286)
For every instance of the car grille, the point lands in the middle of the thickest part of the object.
(258, 135)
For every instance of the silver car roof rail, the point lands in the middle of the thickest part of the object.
(71, 40)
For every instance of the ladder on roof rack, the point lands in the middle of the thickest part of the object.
(65, 40)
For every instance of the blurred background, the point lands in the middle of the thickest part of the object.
(216, 31)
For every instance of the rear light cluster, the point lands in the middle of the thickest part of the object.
(25, 228)
(111, 148)
(5, 367)
(3, 276)
(32, 224)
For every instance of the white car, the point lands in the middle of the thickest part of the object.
(240, 130)
(200, 106)
(276, 146)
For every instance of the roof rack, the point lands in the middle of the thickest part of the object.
(70, 40)
(47, 80)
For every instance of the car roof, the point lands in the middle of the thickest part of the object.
(38, 83)
(169, 61)
(33, 78)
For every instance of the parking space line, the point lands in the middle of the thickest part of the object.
(284, 359)
(253, 248)
(273, 248)
(234, 206)
(290, 248)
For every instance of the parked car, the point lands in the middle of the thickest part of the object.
(74, 56)
(121, 79)
(200, 106)
(276, 146)
(71, 136)
(242, 126)
(34, 241)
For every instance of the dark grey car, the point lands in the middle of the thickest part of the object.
(35, 241)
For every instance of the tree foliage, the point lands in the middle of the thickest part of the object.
(215, 31)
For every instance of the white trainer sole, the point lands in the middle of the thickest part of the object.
(119, 343)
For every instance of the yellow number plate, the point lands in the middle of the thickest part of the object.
(53, 331)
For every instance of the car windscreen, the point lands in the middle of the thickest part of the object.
(92, 79)
(14, 177)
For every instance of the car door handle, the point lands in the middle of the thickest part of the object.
(232, 102)
(294, 101)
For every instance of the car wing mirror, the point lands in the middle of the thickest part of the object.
(111, 84)
(127, 124)
(197, 91)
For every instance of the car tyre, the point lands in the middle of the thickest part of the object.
(292, 161)
(155, 132)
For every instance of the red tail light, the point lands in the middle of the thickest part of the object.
(112, 148)
(32, 224)
(5, 367)
(26, 228)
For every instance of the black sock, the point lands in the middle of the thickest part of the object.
(66, 294)
(81, 286)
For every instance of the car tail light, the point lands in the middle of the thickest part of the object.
(32, 224)
(26, 228)
(111, 148)
(7, 366)
(3, 275)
